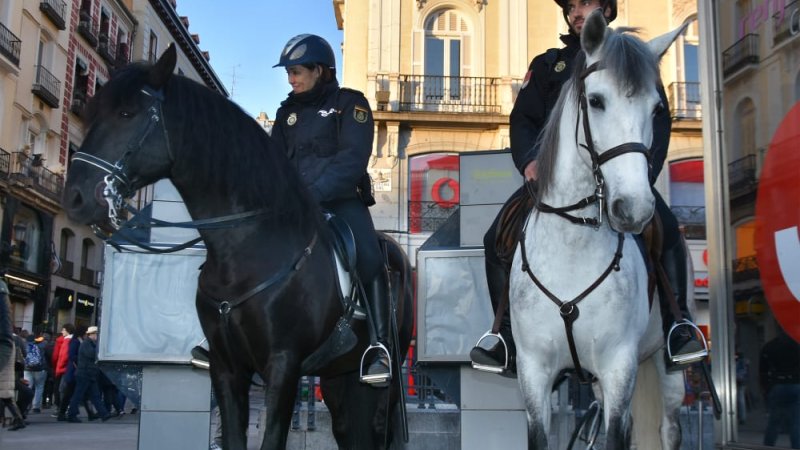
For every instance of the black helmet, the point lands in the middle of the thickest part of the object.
(605, 3)
(307, 49)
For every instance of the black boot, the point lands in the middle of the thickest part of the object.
(18, 422)
(682, 337)
(500, 358)
(378, 371)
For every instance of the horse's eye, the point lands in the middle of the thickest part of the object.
(596, 102)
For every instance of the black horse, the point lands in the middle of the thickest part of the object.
(268, 295)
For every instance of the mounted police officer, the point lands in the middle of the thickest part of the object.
(327, 132)
(540, 90)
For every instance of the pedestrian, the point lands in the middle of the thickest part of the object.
(36, 370)
(779, 375)
(546, 75)
(60, 361)
(49, 386)
(86, 376)
(70, 349)
(327, 132)
(8, 352)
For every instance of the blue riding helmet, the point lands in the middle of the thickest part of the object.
(605, 3)
(307, 49)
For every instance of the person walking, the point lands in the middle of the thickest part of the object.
(8, 351)
(86, 376)
(35, 373)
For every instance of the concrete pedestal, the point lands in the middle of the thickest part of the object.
(492, 412)
(175, 412)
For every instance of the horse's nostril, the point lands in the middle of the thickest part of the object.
(618, 208)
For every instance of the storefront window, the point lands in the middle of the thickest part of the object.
(26, 240)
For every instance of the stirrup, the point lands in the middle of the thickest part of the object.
(486, 367)
(380, 377)
(689, 357)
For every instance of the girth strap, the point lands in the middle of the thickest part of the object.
(569, 310)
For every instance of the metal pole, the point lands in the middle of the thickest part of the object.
(699, 423)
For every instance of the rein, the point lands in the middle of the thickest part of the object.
(568, 310)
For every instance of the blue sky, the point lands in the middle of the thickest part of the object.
(245, 39)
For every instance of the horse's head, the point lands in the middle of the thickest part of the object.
(126, 146)
(617, 91)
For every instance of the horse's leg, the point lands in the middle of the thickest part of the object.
(535, 385)
(281, 376)
(358, 412)
(232, 389)
(617, 382)
(672, 392)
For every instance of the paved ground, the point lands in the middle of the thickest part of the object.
(44, 431)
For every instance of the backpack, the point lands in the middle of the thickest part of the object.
(33, 360)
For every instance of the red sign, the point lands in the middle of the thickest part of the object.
(777, 224)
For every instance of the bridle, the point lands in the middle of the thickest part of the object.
(568, 310)
(118, 188)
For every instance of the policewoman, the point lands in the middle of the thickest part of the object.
(327, 131)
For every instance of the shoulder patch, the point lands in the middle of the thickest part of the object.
(361, 114)
(560, 66)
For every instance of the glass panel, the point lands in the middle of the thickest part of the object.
(434, 70)
(455, 69)
(434, 192)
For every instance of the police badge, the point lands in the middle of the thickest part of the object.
(292, 119)
(360, 114)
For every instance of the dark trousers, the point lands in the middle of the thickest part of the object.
(86, 385)
(369, 255)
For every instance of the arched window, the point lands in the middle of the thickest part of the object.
(67, 239)
(87, 253)
(685, 92)
(447, 56)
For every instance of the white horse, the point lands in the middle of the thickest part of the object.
(594, 163)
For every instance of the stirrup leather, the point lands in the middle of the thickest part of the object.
(487, 367)
(689, 357)
(376, 378)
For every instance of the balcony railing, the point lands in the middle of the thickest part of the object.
(789, 27)
(427, 217)
(742, 176)
(742, 54)
(5, 164)
(105, 49)
(433, 93)
(87, 276)
(9, 45)
(46, 86)
(55, 11)
(692, 219)
(67, 269)
(684, 100)
(745, 269)
(86, 29)
(29, 171)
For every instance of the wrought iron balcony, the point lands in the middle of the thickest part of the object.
(88, 276)
(427, 217)
(789, 27)
(46, 86)
(742, 54)
(5, 164)
(684, 100)
(434, 93)
(742, 176)
(55, 11)
(105, 49)
(745, 269)
(9, 45)
(67, 269)
(29, 171)
(87, 29)
(692, 219)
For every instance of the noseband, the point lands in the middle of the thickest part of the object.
(118, 186)
(597, 161)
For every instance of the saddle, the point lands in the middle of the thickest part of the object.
(344, 243)
(512, 219)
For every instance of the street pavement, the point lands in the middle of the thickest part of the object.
(43, 431)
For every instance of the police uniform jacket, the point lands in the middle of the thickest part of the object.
(546, 75)
(327, 134)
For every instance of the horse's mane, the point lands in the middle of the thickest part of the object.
(631, 64)
(231, 153)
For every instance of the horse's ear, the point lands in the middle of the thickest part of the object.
(163, 68)
(660, 44)
(593, 32)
